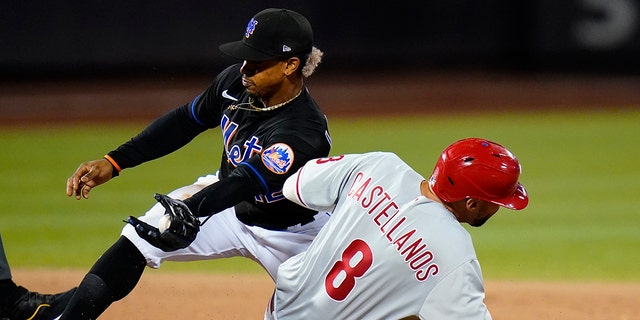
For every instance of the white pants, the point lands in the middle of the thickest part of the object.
(224, 236)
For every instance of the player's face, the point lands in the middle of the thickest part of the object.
(263, 79)
(473, 211)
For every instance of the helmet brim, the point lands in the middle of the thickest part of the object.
(517, 201)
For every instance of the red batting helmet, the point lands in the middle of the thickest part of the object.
(478, 168)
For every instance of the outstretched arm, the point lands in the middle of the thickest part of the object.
(163, 136)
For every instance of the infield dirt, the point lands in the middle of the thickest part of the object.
(168, 295)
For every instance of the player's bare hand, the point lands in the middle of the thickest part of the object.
(89, 175)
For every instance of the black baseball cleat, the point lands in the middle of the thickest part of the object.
(37, 306)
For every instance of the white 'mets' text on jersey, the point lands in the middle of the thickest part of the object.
(387, 251)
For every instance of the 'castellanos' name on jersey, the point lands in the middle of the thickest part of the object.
(278, 158)
(387, 215)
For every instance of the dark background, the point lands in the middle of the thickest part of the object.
(53, 39)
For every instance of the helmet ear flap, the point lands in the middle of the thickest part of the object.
(478, 168)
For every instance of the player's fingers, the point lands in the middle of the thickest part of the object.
(86, 183)
(75, 183)
(71, 187)
(76, 188)
(85, 191)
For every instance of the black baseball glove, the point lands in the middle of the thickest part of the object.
(179, 234)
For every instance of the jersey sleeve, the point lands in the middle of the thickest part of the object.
(164, 135)
(459, 296)
(319, 182)
(175, 128)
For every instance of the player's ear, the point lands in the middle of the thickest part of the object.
(292, 65)
(471, 204)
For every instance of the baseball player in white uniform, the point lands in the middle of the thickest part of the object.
(394, 247)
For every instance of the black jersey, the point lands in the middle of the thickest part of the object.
(262, 147)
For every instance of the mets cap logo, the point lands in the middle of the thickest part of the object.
(251, 26)
(278, 158)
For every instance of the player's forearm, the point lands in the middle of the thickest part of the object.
(221, 195)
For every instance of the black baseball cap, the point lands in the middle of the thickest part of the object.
(272, 33)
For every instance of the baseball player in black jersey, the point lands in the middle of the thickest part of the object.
(270, 127)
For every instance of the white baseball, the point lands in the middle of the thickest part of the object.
(164, 223)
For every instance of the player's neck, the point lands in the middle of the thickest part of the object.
(425, 189)
(285, 96)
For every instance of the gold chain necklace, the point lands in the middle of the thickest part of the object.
(252, 107)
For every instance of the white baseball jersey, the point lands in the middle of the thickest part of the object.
(387, 252)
